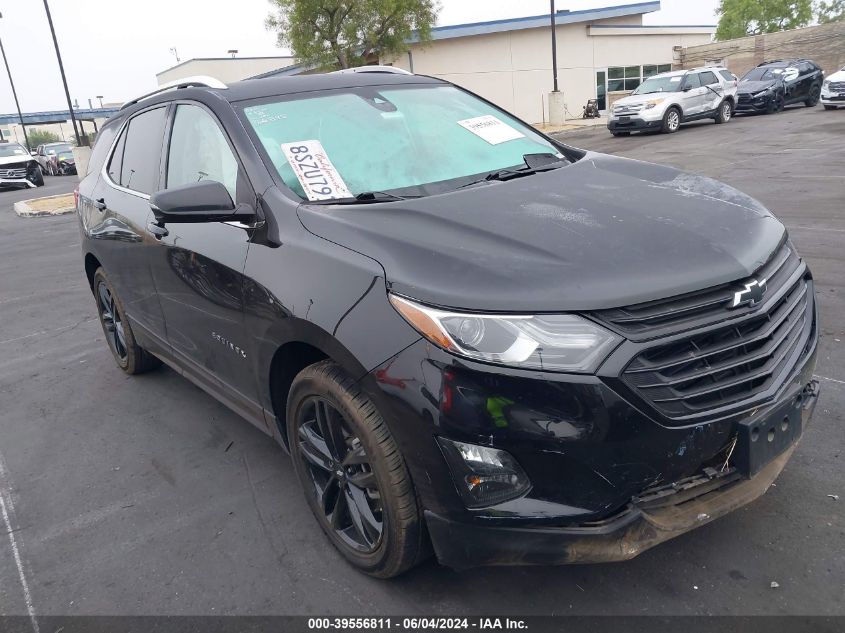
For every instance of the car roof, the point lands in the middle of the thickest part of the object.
(272, 86)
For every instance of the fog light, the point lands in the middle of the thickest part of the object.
(484, 476)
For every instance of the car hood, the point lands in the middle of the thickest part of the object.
(839, 75)
(9, 160)
(751, 87)
(602, 232)
(636, 99)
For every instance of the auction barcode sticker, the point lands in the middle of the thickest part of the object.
(314, 170)
(491, 129)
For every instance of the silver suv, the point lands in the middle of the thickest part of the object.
(662, 102)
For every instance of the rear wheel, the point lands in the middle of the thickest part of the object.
(354, 477)
(815, 94)
(671, 121)
(725, 112)
(130, 357)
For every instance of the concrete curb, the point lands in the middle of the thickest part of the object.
(24, 209)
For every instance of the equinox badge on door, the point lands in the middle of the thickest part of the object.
(751, 295)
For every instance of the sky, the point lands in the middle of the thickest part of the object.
(114, 48)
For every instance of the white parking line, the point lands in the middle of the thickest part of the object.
(7, 508)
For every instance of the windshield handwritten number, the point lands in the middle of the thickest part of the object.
(314, 175)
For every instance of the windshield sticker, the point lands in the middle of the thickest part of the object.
(491, 129)
(314, 170)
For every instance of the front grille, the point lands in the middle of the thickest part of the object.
(662, 317)
(19, 172)
(744, 98)
(699, 357)
(736, 364)
(837, 86)
(627, 108)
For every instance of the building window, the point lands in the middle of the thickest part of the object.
(626, 78)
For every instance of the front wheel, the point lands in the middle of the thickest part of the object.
(130, 357)
(815, 95)
(621, 133)
(829, 107)
(35, 176)
(354, 477)
(725, 112)
(671, 121)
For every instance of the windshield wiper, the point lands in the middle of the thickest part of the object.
(534, 163)
(365, 198)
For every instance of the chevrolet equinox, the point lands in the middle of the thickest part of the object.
(474, 340)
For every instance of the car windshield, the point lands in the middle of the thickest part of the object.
(762, 74)
(58, 149)
(12, 149)
(669, 83)
(408, 140)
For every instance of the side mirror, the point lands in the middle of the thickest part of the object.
(203, 201)
(686, 88)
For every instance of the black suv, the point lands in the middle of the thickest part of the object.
(775, 84)
(467, 334)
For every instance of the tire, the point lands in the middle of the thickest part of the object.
(128, 355)
(829, 107)
(671, 121)
(621, 133)
(725, 112)
(35, 176)
(815, 95)
(775, 105)
(388, 536)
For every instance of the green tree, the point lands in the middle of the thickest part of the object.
(832, 11)
(738, 18)
(39, 137)
(345, 33)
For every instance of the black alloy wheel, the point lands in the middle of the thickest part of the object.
(352, 472)
(112, 323)
(815, 95)
(128, 355)
(344, 485)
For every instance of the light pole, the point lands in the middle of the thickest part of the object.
(14, 93)
(100, 97)
(554, 45)
(62, 71)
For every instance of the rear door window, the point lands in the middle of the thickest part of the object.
(708, 78)
(728, 75)
(139, 152)
(693, 81)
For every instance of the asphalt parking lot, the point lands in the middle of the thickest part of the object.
(145, 496)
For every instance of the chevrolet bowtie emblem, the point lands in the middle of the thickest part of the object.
(751, 295)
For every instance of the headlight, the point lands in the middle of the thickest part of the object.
(826, 83)
(650, 104)
(762, 93)
(550, 342)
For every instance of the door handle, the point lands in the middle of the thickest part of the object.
(157, 230)
(100, 204)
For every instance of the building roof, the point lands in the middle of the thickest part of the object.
(223, 59)
(537, 21)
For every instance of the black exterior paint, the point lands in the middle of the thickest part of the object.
(778, 91)
(220, 301)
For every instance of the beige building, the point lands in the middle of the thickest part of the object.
(509, 62)
(226, 69)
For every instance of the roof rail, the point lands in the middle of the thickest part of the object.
(373, 69)
(203, 81)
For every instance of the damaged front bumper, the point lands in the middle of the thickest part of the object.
(15, 182)
(652, 517)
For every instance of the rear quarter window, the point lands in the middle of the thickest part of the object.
(101, 148)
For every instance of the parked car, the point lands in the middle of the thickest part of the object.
(465, 332)
(773, 85)
(663, 102)
(63, 163)
(17, 167)
(47, 153)
(833, 90)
